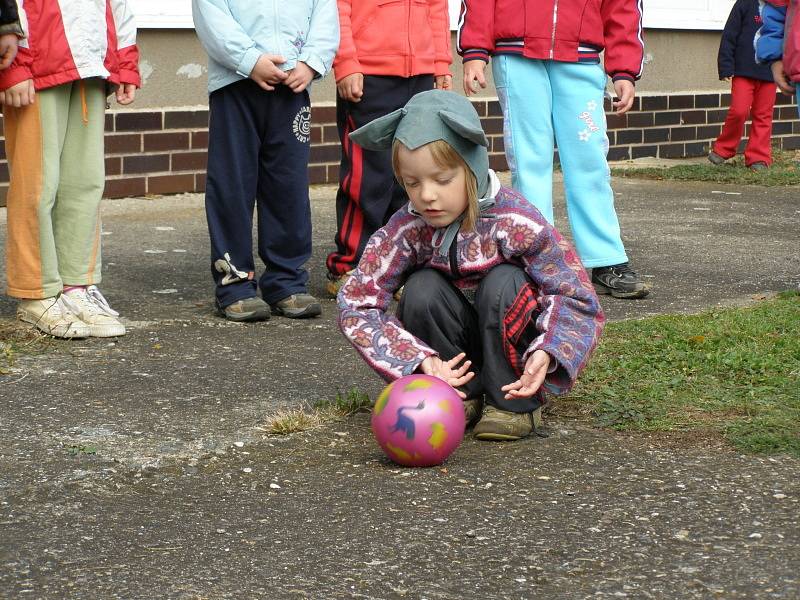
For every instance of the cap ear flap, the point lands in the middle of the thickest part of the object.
(378, 134)
(464, 127)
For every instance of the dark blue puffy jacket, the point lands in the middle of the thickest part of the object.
(737, 55)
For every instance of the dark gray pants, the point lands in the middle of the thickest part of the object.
(493, 332)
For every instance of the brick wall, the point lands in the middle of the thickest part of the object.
(164, 152)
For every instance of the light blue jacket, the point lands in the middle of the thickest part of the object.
(236, 32)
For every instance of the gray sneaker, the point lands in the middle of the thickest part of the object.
(298, 306)
(502, 425)
(249, 309)
(759, 166)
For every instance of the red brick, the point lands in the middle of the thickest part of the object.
(113, 165)
(199, 182)
(480, 107)
(3, 194)
(199, 139)
(498, 162)
(166, 141)
(126, 186)
(330, 134)
(325, 153)
(316, 134)
(492, 125)
(323, 114)
(317, 174)
(109, 122)
(2, 149)
(123, 144)
(189, 161)
(145, 163)
(170, 184)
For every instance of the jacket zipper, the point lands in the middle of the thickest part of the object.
(553, 37)
(408, 37)
(453, 256)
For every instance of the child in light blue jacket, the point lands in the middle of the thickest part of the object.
(262, 56)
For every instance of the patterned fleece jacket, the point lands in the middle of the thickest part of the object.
(570, 318)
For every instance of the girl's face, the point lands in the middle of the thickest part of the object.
(438, 194)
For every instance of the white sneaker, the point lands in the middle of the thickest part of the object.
(93, 309)
(52, 317)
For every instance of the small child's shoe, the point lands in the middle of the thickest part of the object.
(715, 158)
(620, 281)
(92, 308)
(298, 306)
(335, 283)
(759, 166)
(51, 316)
(472, 411)
(502, 425)
(245, 310)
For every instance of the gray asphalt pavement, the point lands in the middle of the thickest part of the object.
(183, 496)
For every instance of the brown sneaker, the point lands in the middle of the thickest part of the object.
(298, 306)
(241, 311)
(335, 283)
(502, 425)
(472, 411)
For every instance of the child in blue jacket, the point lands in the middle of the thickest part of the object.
(262, 58)
(778, 43)
(752, 90)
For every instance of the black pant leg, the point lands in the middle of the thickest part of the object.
(368, 193)
(495, 296)
(437, 313)
(232, 176)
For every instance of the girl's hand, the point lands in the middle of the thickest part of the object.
(299, 77)
(8, 49)
(20, 94)
(625, 92)
(351, 88)
(449, 371)
(443, 82)
(532, 377)
(126, 92)
(266, 72)
(474, 76)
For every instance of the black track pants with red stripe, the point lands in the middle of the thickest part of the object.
(368, 193)
(494, 331)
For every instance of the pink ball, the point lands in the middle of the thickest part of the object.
(418, 420)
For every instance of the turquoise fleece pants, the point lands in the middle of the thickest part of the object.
(545, 102)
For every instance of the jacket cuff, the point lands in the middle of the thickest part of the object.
(623, 77)
(343, 68)
(14, 27)
(475, 54)
(441, 68)
(249, 61)
(128, 76)
(315, 63)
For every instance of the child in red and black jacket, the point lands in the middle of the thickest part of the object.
(752, 90)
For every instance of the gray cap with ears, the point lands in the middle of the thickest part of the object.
(427, 117)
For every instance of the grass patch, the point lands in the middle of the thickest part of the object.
(785, 170)
(16, 340)
(729, 372)
(298, 419)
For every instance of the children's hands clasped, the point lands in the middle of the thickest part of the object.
(266, 72)
(449, 371)
(532, 377)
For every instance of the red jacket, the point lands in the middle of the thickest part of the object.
(72, 44)
(401, 38)
(555, 30)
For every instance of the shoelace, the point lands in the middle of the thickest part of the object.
(100, 301)
(623, 269)
(64, 304)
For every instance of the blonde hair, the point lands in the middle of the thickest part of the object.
(446, 157)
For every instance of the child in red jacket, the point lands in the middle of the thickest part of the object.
(54, 117)
(752, 90)
(778, 43)
(388, 52)
(546, 65)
